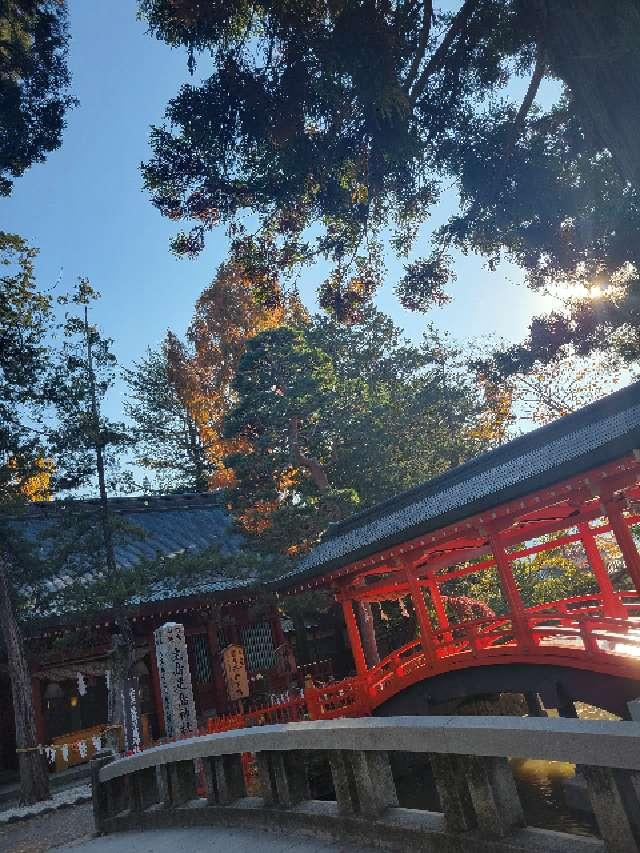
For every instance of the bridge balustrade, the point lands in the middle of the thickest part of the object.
(572, 632)
(480, 808)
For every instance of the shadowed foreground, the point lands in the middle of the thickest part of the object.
(208, 839)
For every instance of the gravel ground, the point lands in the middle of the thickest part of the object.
(62, 827)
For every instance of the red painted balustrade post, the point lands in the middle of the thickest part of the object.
(624, 538)
(512, 593)
(611, 604)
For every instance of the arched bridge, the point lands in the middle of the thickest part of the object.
(518, 571)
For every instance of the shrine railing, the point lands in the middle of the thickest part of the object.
(465, 761)
(572, 631)
(289, 711)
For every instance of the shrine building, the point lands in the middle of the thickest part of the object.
(69, 661)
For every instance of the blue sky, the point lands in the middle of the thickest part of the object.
(87, 212)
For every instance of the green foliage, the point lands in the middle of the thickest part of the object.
(25, 316)
(167, 440)
(85, 371)
(372, 415)
(548, 576)
(33, 83)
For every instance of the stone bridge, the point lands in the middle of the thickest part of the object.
(203, 782)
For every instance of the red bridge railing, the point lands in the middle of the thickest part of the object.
(573, 631)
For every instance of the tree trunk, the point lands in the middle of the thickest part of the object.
(121, 655)
(34, 776)
(593, 46)
(120, 663)
(299, 458)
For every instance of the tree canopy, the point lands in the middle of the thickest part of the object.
(335, 124)
(34, 82)
(334, 418)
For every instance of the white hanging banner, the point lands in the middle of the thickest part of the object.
(175, 680)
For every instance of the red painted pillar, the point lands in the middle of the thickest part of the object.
(511, 592)
(36, 698)
(422, 614)
(625, 540)
(438, 604)
(364, 615)
(611, 604)
(155, 683)
(354, 637)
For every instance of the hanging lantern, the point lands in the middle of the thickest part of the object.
(53, 691)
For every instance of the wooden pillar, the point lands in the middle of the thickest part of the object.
(36, 698)
(354, 637)
(611, 604)
(219, 683)
(155, 683)
(422, 614)
(367, 632)
(276, 631)
(511, 592)
(624, 539)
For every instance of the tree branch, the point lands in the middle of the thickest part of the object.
(457, 26)
(518, 124)
(298, 457)
(423, 41)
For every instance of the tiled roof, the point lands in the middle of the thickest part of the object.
(592, 436)
(153, 526)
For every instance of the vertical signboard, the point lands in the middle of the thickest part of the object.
(235, 671)
(175, 680)
(131, 715)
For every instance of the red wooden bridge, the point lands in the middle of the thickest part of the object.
(565, 496)
(562, 499)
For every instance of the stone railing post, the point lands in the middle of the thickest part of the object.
(614, 799)
(477, 791)
(283, 778)
(224, 779)
(102, 802)
(143, 790)
(453, 791)
(493, 793)
(176, 783)
(363, 782)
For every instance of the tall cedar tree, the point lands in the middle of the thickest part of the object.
(86, 446)
(340, 417)
(335, 122)
(25, 315)
(33, 83)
